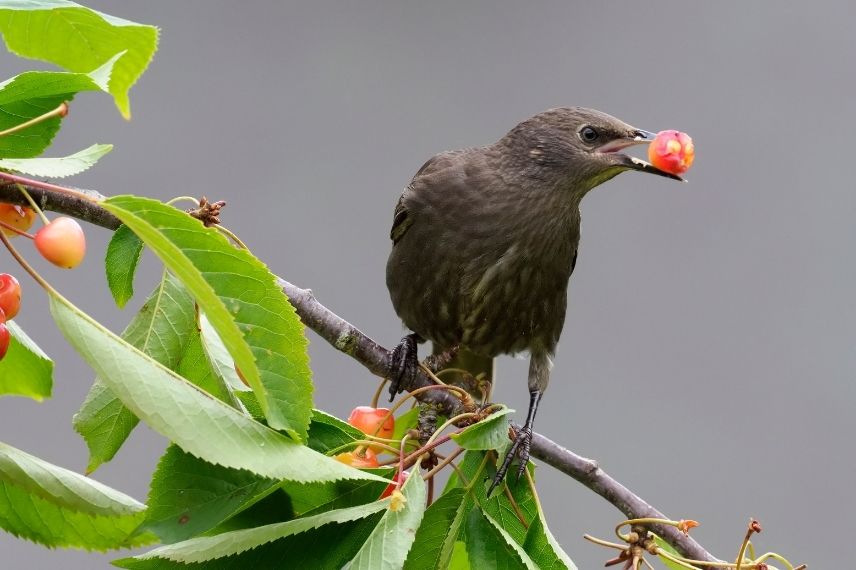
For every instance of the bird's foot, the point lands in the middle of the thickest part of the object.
(519, 449)
(403, 364)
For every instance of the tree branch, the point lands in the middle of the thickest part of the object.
(348, 339)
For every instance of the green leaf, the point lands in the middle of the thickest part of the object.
(327, 432)
(489, 546)
(58, 167)
(489, 433)
(120, 263)
(460, 559)
(389, 543)
(201, 425)
(197, 369)
(161, 329)
(543, 548)
(315, 498)
(437, 535)
(208, 548)
(663, 545)
(242, 301)
(79, 39)
(59, 508)
(188, 496)
(34, 93)
(25, 370)
(479, 474)
(219, 360)
(405, 422)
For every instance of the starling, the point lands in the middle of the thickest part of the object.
(485, 240)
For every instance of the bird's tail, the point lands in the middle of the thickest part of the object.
(469, 370)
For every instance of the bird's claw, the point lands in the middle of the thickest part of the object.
(519, 449)
(403, 363)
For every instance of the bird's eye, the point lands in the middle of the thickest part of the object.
(588, 134)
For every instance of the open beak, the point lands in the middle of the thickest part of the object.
(631, 162)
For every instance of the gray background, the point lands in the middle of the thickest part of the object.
(707, 360)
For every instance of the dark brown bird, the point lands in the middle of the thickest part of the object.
(485, 240)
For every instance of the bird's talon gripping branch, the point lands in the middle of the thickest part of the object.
(403, 364)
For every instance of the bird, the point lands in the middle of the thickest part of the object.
(485, 239)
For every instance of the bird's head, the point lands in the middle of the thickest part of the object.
(577, 147)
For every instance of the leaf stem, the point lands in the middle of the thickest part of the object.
(60, 111)
(452, 456)
(232, 236)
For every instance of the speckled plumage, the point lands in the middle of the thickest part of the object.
(485, 239)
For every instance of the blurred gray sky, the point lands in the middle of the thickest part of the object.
(707, 360)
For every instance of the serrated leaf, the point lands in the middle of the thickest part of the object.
(438, 533)
(25, 370)
(79, 39)
(161, 329)
(120, 263)
(188, 496)
(327, 432)
(242, 301)
(59, 508)
(201, 425)
(390, 541)
(209, 548)
(489, 433)
(58, 167)
(478, 474)
(543, 548)
(34, 93)
(315, 498)
(489, 546)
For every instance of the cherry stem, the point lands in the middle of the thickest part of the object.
(32, 202)
(378, 392)
(27, 267)
(60, 111)
(13, 229)
(442, 464)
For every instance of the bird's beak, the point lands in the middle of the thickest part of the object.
(637, 137)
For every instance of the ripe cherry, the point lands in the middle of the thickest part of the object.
(672, 151)
(19, 217)
(397, 482)
(368, 420)
(5, 338)
(62, 242)
(363, 459)
(10, 296)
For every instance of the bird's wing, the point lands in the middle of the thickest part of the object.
(401, 221)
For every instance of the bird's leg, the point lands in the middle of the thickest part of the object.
(539, 377)
(403, 364)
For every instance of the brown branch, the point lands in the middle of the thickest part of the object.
(348, 339)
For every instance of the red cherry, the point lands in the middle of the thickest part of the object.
(62, 242)
(365, 459)
(672, 151)
(10, 295)
(368, 420)
(4, 340)
(397, 481)
(19, 217)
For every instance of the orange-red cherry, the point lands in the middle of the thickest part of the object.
(19, 217)
(672, 151)
(62, 242)
(364, 459)
(373, 421)
(10, 295)
(5, 338)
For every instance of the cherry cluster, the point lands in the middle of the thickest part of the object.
(60, 241)
(377, 423)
